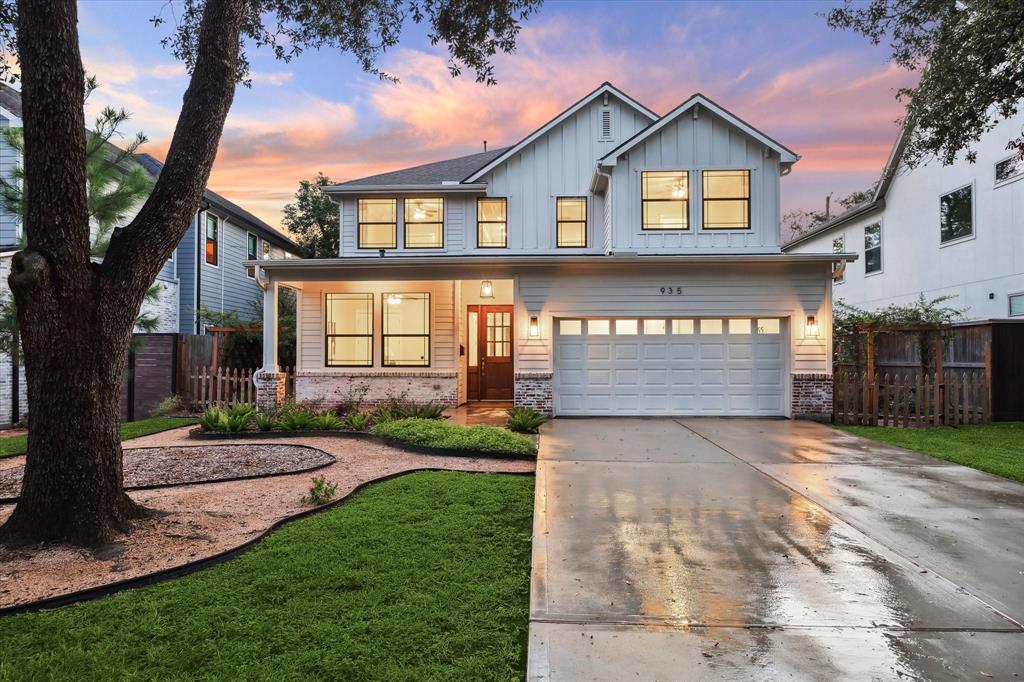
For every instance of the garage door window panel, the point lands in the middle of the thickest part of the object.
(598, 327)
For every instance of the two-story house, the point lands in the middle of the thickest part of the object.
(611, 262)
(936, 230)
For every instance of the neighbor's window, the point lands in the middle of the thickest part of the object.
(406, 328)
(1009, 169)
(727, 200)
(956, 214)
(873, 248)
(665, 196)
(251, 249)
(1016, 304)
(212, 248)
(424, 223)
(492, 223)
(266, 250)
(378, 223)
(349, 330)
(838, 246)
(571, 222)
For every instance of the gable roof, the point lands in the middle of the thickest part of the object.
(10, 99)
(233, 210)
(435, 173)
(605, 87)
(787, 155)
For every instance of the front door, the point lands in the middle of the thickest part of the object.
(492, 357)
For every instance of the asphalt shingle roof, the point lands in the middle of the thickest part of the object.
(10, 99)
(449, 170)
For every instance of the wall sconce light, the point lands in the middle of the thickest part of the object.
(811, 328)
(394, 299)
(534, 331)
(486, 289)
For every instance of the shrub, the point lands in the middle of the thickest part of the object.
(352, 399)
(321, 491)
(172, 404)
(326, 422)
(382, 414)
(402, 407)
(524, 419)
(214, 419)
(438, 433)
(296, 420)
(356, 421)
(264, 421)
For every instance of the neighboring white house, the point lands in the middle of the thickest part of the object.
(612, 262)
(937, 230)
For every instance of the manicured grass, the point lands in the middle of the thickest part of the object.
(438, 433)
(996, 448)
(423, 577)
(16, 445)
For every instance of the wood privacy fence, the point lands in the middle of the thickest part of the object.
(206, 387)
(915, 399)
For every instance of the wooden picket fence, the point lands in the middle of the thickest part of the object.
(224, 386)
(915, 400)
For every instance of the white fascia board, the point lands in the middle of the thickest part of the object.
(352, 190)
(15, 121)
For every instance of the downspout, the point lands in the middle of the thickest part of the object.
(608, 210)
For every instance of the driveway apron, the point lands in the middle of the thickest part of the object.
(759, 549)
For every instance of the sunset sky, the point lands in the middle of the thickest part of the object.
(829, 96)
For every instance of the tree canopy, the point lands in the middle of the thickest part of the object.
(312, 219)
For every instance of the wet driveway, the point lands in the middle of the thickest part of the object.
(762, 549)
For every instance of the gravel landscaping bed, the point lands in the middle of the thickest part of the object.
(162, 466)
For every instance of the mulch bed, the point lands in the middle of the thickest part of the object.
(153, 467)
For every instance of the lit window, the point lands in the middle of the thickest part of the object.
(626, 327)
(727, 200)
(838, 246)
(571, 222)
(1010, 168)
(665, 196)
(212, 243)
(710, 326)
(654, 327)
(349, 330)
(406, 330)
(378, 223)
(1016, 304)
(474, 338)
(682, 326)
(251, 249)
(598, 327)
(956, 215)
(768, 326)
(873, 248)
(570, 327)
(492, 223)
(424, 223)
(739, 326)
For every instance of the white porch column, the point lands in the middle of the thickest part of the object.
(270, 327)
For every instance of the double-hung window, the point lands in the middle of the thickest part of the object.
(492, 223)
(956, 214)
(424, 223)
(571, 222)
(378, 223)
(212, 242)
(251, 250)
(349, 330)
(838, 246)
(726, 200)
(406, 330)
(873, 248)
(665, 196)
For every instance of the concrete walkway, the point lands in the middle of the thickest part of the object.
(759, 549)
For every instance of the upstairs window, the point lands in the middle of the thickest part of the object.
(251, 249)
(727, 200)
(492, 223)
(665, 196)
(266, 251)
(212, 243)
(873, 248)
(956, 214)
(424, 223)
(349, 330)
(838, 246)
(571, 222)
(1009, 169)
(378, 223)
(406, 330)
(1016, 304)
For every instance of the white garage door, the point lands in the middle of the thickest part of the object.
(712, 366)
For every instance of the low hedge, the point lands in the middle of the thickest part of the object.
(434, 433)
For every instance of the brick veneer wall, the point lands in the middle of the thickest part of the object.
(270, 389)
(535, 390)
(812, 396)
(330, 389)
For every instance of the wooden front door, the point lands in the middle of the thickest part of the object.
(490, 357)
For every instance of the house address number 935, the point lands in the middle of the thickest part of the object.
(671, 291)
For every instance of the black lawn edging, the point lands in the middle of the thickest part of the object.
(100, 591)
(198, 434)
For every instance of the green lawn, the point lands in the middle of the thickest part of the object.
(16, 445)
(996, 448)
(423, 577)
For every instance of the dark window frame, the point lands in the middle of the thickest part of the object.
(328, 337)
(684, 201)
(405, 223)
(251, 253)
(384, 336)
(942, 226)
(504, 201)
(881, 238)
(394, 225)
(584, 222)
(705, 200)
(215, 241)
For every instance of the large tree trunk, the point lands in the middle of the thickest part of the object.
(76, 316)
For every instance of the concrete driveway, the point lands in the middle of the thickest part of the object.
(767, 549)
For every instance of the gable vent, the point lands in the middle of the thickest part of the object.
(606, 124)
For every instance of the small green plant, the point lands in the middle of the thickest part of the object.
(356, 421)
(214, 419)
(296, 420)
(264, 421)
(326, 422)
(238, 418)
(172, 404)
(523, 419)
(321, 491)
(382, 414)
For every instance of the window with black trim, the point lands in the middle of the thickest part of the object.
(251, 249)
(873, 248)
(665, 199)
(378, 223)
(492, 223)
(349, 330)
(212, 242)
(571, 222)
(424, 223)
(726, 200)
(956, 214)
(406, 330)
